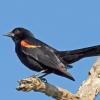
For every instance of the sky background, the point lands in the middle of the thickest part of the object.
(63, 24)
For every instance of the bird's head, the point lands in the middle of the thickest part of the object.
(18, 34)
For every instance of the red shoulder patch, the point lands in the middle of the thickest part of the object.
(24, 43)
(28, 45)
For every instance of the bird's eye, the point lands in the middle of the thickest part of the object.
(17, 31)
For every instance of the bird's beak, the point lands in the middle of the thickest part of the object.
(9, 34)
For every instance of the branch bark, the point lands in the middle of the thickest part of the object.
(87, 91)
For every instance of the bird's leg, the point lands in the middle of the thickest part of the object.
(42, 71)
(43, 79)
(41, 76)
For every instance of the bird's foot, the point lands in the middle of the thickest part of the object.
(40, 77)
(43, 79)
(69, 66)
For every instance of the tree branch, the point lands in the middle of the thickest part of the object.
(87, 91)
(91, 87)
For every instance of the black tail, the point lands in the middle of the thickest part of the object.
(75, 55)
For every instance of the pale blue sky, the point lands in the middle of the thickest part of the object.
(63, 24)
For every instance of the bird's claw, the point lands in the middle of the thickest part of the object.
(43, 80)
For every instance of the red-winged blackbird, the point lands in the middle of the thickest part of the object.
(44, 59)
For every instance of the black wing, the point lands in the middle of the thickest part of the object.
(43, 54)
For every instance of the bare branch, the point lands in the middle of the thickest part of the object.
(91, 87)
(36, 84)
(87, 91)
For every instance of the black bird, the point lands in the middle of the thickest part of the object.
(44, 59)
